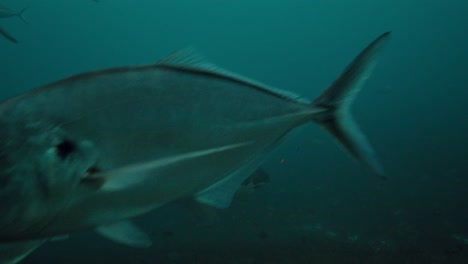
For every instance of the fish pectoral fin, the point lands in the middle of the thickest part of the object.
(126, 233)
(133, 175)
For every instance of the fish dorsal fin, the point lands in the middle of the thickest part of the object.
(125, 233)
(189, 59)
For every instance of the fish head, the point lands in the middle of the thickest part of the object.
(41, 167)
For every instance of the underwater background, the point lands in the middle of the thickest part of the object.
(318, 205)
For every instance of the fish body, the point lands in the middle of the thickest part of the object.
(98, 148)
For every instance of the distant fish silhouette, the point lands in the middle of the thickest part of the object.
(7, 35)
(6, 12)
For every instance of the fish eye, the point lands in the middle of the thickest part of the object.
(65, 148)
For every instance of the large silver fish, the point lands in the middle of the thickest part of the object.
(98, 148)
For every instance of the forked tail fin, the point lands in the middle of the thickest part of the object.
(336, 101)
(21, 15)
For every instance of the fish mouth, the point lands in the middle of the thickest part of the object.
(89, 178)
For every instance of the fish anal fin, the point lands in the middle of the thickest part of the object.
(221, 193)
(126, 233)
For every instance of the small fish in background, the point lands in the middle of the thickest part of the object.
(6, 12)
(7, 35)
(254, 182)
